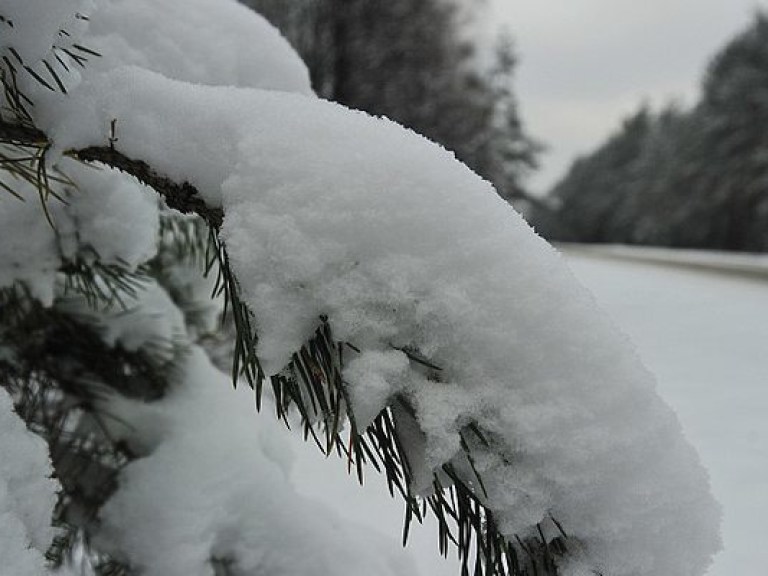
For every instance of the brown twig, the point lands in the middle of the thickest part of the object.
(183, 197)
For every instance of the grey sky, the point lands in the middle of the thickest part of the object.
(585, 64)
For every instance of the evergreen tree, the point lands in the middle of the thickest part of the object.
(733, 110)
(588, 196)
(693, 178)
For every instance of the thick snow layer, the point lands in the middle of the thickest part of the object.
(232, 45)
(217, 486)
(27, 496)
(703, 334)
(333, 212)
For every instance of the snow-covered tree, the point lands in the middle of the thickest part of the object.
(384, 301)
(690, 178)
(733, 112)
(597, 185)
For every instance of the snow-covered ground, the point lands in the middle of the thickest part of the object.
(740, 263)
(704, 333)
(705, 336)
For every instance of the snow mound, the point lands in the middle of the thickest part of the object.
(108, 217)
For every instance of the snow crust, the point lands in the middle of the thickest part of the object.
(27, 496)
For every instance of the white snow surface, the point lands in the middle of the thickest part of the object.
(330, 211)
(232, 46)
(108, 217)
(703, 333)
(739, 263)
(27, 496)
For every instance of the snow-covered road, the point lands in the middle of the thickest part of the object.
(704, 334)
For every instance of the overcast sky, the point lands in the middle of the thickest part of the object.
(585, 64)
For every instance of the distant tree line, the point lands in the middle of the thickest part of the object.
(408, 60)
(686, 178)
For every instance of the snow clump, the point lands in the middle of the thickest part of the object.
(27, 496)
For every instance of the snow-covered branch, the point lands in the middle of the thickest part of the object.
(182, 197)
(179, 196)
(540, 410)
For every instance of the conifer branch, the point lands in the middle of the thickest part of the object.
(313, 385)
(183, 197)
(21, 134)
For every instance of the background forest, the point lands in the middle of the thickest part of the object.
(420, 64)
(693, 178)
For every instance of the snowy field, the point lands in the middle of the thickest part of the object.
(703, 331)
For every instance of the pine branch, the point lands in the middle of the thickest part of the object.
(59, 372)
(22, 134)
(313, 384)
(183, 197)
